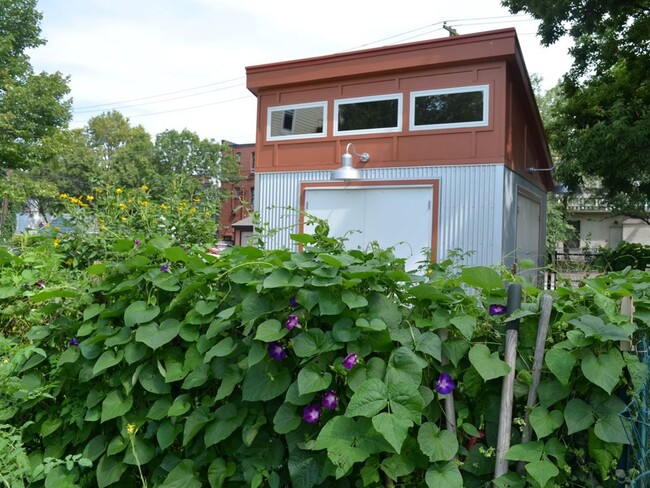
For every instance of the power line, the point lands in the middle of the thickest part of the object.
(160, 95)
(84, 110)
(425, 30)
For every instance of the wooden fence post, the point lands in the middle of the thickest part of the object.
(507, 390)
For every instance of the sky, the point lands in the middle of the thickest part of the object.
(181, 64)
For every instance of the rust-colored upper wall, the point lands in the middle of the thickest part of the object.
(492, 58)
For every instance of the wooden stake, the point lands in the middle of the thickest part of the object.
(507, 389)
(546, 305)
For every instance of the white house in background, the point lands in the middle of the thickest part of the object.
(451, 127)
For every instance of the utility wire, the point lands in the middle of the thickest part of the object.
(148, 100)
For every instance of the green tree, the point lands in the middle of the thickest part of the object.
(200, 167)
(123, 153)
(600, 118)
(33, 106)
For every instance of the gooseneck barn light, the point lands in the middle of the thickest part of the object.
(347, 171)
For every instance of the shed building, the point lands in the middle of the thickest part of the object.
(451, 128)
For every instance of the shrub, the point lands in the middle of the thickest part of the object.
(163, 365)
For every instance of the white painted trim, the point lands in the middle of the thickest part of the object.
(375, 98)
(485, 89)
(297, 106)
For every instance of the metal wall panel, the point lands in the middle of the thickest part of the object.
(470, 215)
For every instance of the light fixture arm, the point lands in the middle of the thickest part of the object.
(363, 157)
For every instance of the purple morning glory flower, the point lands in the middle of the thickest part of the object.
(445, 384)
(293, 303)
(350, 361)
(292, 322)
(311, 413)
(74, 342)
(136, 243)
(330, 400)
(276, 351)
(40, 283)
(497, 309)
(164, 268)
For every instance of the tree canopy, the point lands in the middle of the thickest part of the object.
(33, 106)
(600, 118)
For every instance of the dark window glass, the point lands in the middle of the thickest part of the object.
(449, 108)
(287, 120)
(378, 114)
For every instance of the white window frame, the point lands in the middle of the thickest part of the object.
(295, 107)
(376, 98)
(485, 89)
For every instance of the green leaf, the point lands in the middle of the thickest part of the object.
(465, 324)
(439, 445)
(614, 429)
(529, 452)
(308, 343)
(228, 419)
(369, 399)
(447, 475)
(175, 254)
(49, 426)
(95, 447)
(115, 405)
(182, 476)
(348, 442)
(405, 401)
(93, 310)
(166, 434)
(604, 370)
(595, 327)
(312, 379)
(143, 448)
(330, 303)
(107, 360)
(96, 269)
(155, 336)
(393, 427)
(221, 349)
(286, 420)
(265, 381)
(219, 471)
(181, 405)
(231, 378)
(283, 278)
(578, 416)
(544, 422)
(109, 471)
(405, 366)
(429, 343)
(352, 300)
(344, 330)
(196, 421)
(455, 350)
(489, 366)
(47, 294)
(139, 312)
(159, 409)
(560, 362)
(482, 277)
(270, 330)
(542, 471)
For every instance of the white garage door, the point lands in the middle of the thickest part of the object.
(399, 217)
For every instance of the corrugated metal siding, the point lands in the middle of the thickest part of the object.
(470, 214)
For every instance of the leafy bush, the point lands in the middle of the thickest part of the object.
(163, 365)
(632, 254)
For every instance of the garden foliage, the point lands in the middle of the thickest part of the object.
(158, 363)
